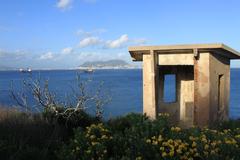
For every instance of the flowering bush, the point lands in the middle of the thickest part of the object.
(137, 137)
(93, 143)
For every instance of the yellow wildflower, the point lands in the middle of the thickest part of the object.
(191, 138)
(213, 144)
(148, 141)
(206, 147)
(237, 136)
(170, 141)
(94, 143)
(225, 131)
(171, 154)
(179, 151)
(183, 157)
(155, 142)
(104, 137)
(139, 158)
(164, 154)
(160, 138)
(196, 155)
(191, 151)
(194, 144)
(204, 140)
(176, 129)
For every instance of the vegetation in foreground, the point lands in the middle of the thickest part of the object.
(67, 132)
(46, 136)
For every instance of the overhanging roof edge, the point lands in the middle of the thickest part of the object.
(137, 51)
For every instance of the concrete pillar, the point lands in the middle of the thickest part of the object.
(201, 90)
(150, 74)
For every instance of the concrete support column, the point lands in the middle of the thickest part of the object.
(201, 90)
(150, 84)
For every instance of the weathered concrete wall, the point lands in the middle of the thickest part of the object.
(150, 79)
(187, 97)
(219, 94)
(201, 89)
(197, 90)
(182, 109)
(170, 59)
(172, 108)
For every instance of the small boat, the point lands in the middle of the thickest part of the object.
(21, 70)
(89, 70)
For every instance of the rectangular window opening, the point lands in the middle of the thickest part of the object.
(220, 92)
(169, 93)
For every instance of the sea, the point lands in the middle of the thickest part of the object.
(120, 90)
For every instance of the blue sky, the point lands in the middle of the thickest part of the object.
(66, 33)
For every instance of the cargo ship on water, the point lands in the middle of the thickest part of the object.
(28, 70)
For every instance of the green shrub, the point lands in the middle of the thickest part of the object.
(75, 119)
(69, 117)
(90, 144)
(125, 139)
(137, 137)
(77, 135)
(27, 135)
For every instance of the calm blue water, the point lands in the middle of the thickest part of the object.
(123, 86)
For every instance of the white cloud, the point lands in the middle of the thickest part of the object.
(89, 41)
(47, 56)
(67, 51)
(92, 38)
(84, 33)
(81, 32)
(99, 55)
(94, 56)
(18, 54)
(118, 43)
(139, 41)
(64, 4)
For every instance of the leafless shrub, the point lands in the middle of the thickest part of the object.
(46, 99)
(38, 89)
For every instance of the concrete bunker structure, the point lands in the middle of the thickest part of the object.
(200, 77)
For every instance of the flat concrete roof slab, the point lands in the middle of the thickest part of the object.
(220, 48)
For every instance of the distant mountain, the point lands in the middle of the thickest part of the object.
(115, 64)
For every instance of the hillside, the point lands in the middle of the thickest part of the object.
(115, 63)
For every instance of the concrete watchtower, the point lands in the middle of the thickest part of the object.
(201, 81)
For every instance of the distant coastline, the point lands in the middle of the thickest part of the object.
(71, 69)
(95, 65)
(109, 64)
